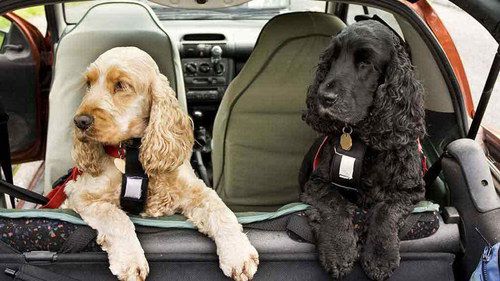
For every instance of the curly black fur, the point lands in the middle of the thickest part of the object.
(365, 79)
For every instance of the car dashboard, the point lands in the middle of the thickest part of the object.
(212, 53)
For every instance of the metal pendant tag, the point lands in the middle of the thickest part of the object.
(346, 141)
(120, 165)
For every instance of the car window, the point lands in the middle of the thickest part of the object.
(477, 49)
(35, 16)
(256, 9)
(4, 29)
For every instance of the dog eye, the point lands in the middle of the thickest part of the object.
(119, 86)
(363, 57)
(87, 85)
(364, 64)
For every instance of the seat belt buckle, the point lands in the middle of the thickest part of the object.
(134, 193)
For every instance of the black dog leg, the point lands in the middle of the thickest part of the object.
(380, 254)
(331, 220)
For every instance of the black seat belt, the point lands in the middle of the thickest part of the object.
(7, 186)
(435, 169)
(5, 149)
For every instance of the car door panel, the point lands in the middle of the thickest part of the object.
(23, 74)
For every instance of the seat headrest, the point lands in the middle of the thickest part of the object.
(288, 26)
(118, 24)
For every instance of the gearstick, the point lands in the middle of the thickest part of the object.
(216, 52)
(197, 115)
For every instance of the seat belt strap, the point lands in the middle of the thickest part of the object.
(135, 181)
(7, 186)
(78, 240)
(22, 193)
(296, 225)
(5, 160)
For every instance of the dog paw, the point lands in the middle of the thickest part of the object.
(238, 259)
(379, 264)
(338, 261)
(130, 266)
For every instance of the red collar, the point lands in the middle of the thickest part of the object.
(115, 151)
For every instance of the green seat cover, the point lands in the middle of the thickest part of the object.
(103, 27)
(259, 137)
(175, 221)
(178, 221)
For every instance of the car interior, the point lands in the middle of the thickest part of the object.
(243, 82)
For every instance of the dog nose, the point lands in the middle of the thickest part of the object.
(328, 96)
(83, 121)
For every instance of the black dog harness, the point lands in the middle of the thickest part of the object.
(346, 164)
(135, 181)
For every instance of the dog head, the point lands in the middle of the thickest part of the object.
(365, 78)
(127, 97)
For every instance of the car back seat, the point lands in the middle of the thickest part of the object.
(175, 251)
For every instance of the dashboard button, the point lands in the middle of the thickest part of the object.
(191, 68)
(204, 68)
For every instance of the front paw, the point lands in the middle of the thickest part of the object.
(379, 260)
(129, 265)
(338, 255)
(238, 259)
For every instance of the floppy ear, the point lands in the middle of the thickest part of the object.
(325, 61)
(168, 138)
(397, 116)
(88, 156)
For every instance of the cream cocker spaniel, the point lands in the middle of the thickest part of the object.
(126, 98)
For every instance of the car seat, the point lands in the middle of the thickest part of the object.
(104, 26)
(259, 139)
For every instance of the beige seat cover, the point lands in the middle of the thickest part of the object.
(105, 26)
(259, 137)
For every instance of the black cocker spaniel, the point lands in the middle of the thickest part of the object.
(365, 82)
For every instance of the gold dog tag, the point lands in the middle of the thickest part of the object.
(120, 165)
(346, 141)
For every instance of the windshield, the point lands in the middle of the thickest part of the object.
(253, 10)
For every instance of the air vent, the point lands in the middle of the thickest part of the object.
(204, 37)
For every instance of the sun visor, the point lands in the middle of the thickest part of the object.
(200, 4)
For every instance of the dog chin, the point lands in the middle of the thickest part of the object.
(86, 136)
(82, 136)
(337, 115)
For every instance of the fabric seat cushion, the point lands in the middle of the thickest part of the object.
(48, 230)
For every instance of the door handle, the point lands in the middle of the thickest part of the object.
(16, 48)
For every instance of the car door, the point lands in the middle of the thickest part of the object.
(25, 63)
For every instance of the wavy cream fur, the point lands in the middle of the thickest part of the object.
(145, 106)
